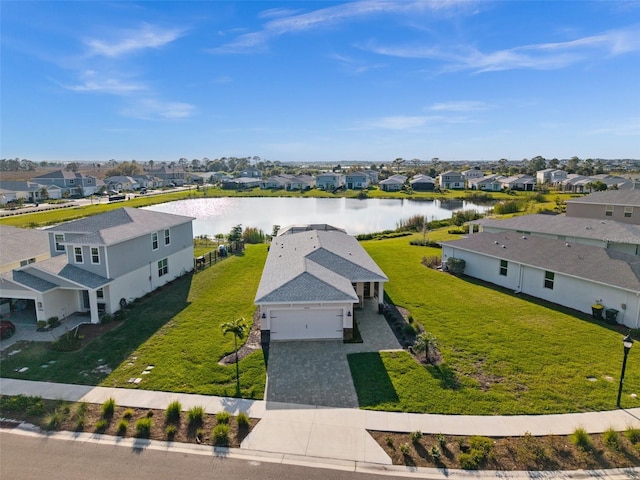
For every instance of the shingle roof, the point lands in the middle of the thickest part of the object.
(583, 261)
(59, 267)
(22, 244)
(315, 266)
(570, 226)
(628, 198)
(118, 225)
(30, 281)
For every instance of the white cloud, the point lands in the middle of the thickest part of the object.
(544, 56)
(628, 128)
(134, 40)
(149, 109)
(460, 106)
(402, 122)
(96, 83)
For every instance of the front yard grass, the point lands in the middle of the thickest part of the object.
(502, 353)
(176, 330)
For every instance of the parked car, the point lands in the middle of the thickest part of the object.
(113, 192)
(7, 329)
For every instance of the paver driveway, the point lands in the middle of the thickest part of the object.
(317, 373)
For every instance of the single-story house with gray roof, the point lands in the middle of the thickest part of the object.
(99, 263)
(566, 273)
(311, 282)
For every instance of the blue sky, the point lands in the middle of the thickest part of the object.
(320, 81)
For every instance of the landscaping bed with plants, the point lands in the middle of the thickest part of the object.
(171, 424)
(578, 451)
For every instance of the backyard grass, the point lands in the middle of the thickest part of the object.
(176, 330)
(502, 353)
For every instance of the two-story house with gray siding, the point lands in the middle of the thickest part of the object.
(100, 262)
(72, 183)
(329, 181)
(619, 205)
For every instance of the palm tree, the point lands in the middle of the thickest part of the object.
(238, 327)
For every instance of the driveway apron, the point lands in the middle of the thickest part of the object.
(317, 373)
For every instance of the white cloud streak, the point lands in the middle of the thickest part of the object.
(150, 109)
(134, 40)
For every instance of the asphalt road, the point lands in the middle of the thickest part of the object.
(25, 458)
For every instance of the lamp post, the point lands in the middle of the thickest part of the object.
(627, 342)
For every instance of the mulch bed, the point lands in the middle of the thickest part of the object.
(551, 452)
(251, 345)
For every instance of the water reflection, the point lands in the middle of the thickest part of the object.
(220, 215)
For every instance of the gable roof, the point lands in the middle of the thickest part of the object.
(394, 180)
(421, 178)
(628, 198)
(118, 225)
(21, 244)
(595, 264)
(315, 266)
(63, 174)
(569, 226)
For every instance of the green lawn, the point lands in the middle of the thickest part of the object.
(177, 330)
(503, 354)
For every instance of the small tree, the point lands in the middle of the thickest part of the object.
(238, 328)
(455, 265)
(425, 342)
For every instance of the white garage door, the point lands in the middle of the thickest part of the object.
(306, 324)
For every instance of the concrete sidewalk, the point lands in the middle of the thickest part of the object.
(331, 433)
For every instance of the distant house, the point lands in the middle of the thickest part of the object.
(27, 191)
(329, 181)
(75, 184)
(570, 274)
(300, 182)
(393, 184)
(373, 176)
(551, 176)
(451, 180)
(422, 183)
(170, 174)
(251, 172)
(489, 183)
(274, 182)
(356, 180)
(122, 182)
(241, 183)
(518, 182)
(473, 173)
(619, 205)
(101, 262)
(313, 278)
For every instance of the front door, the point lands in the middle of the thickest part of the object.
(85, 300)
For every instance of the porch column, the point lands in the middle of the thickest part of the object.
(380, 296)
(93, 306)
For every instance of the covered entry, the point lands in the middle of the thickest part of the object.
(306, 324)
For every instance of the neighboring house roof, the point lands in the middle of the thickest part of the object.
(421, 178)
(394, 180)
(569, 226)
(19, 186)
(22, 243)
(595, 264)
(118, 225)
(524, 179)
(628, 198)
(63, 174)
(315, 266)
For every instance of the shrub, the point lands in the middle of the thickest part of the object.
(41, 324)
(435, 453)
(455, 265)
(54, 419)
(128, 413)
(149, 413)
(581, 439)
(143, 427)
(101, 425)
(173, 411)
(170, 431)
(504, 207)
(122, 427)
(220, 435)
(106, 318)
(195, 416)
(80, 416)
(120, 315)
(68, 342)
(442, 440)
(468, 461)
(19, 403)
(611, 439)
(389, 441)
(223, 417)
(243, 420)
(199, 435)
(405, 449)
(108, 407)
(415, 436)
(53, 322)
(633, 435)
(483, 445)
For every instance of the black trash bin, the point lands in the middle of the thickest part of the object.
(611, 314)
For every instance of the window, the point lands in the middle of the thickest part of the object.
(548, 280)
(167, 236)
(59, 238)
(503, 267)
(163, 267)
(100, 293)
(628, 211)
(608, 210)
(154, 241)
(24, 263)
(95, 255)
(77, 251)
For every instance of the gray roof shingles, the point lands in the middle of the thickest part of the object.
(22, 244)
(583, 261)
(629, 198)
(315, 266)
